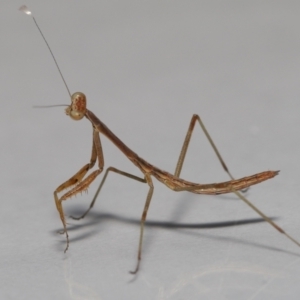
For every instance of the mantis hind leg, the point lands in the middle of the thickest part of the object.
(230, 186)
(186, 142)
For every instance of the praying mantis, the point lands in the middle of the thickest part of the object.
(80, 181)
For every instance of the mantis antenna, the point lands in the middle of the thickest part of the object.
(25, 10)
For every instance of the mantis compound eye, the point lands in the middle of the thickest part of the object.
(77, 108)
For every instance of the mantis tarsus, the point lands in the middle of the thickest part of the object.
(77, 110)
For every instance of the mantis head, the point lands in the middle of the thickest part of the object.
(77, 108)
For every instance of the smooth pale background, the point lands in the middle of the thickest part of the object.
(146, 67)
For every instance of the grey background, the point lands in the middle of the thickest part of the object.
(146, 67)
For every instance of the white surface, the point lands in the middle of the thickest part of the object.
(146, 67)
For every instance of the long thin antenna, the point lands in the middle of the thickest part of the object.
(28, 12)
(47, 106)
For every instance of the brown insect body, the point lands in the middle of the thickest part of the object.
(77, 110)
(176, 183)
(78, 183)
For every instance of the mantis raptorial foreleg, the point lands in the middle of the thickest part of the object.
(112, 169)
(77, 180)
